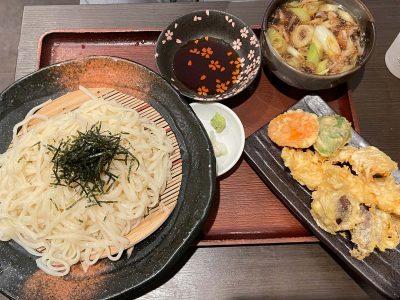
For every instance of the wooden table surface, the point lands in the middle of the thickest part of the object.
(301, 271)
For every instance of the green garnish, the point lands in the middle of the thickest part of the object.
(313, 54)
(73, 203)
(218, 122)
(52, 201)
(83, 162)
(277, 40)
(322, 67)
(301, 14)
(36, 144)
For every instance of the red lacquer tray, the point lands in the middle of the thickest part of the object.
(245, 211)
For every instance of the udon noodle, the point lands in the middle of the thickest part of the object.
(38, 215)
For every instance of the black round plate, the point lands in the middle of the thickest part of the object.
(19, 275)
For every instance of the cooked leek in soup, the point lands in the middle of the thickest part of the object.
(316, 37)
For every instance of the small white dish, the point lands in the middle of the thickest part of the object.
(392, 57)
(232, 136)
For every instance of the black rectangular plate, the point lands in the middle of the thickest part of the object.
(381, 269)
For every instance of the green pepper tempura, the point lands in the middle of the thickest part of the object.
(334, 133)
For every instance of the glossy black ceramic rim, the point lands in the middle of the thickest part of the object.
(165, 246)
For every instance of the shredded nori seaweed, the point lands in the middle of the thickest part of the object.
(83, 162)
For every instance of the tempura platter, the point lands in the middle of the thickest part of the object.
(381, 269)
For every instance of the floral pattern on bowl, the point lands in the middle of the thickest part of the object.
(217, 24)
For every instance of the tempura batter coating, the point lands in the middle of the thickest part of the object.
(306, 167)
(384, 193)
(378, 229)
(335, 211)
(336, 202)
(334, 133)
(295, 128)
(343, 155)
(340, 196)
(368, 161)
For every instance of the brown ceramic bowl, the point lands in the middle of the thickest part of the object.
(307, 81)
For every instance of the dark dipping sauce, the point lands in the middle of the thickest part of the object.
(207, 66)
